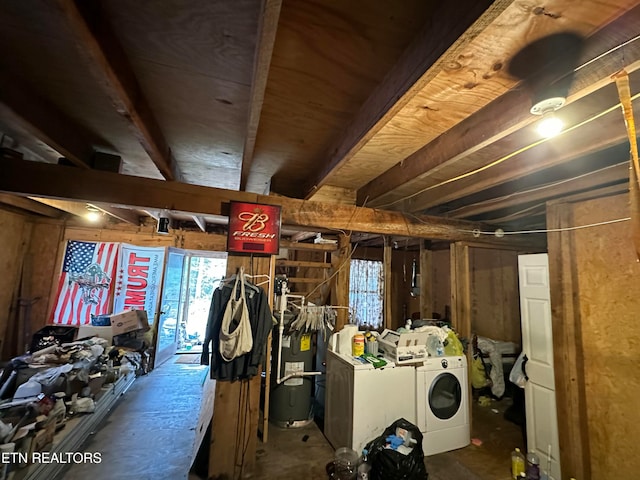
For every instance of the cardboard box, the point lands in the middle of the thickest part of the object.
(129, 321)
(85, 331)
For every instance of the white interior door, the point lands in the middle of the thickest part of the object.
(537, 344)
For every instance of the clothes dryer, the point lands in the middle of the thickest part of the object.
(443, 404)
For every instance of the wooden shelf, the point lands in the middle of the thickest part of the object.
(323, 247)
(305, 280)
(76, 431)
(282, 262)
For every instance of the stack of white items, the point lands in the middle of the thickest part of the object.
(435, 340)
(441, 341)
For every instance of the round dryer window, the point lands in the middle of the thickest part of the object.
(445, 396)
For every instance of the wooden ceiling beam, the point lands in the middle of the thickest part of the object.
(270, 15)
(591, 180)
(410, 74)
(528, 215)
(510, 112)
(49, 125)
(302, 236)
(46, 123)
(30, 205)
(559, 150)
(76, 208)
(56, 181)
(124, 214)
(108, 62)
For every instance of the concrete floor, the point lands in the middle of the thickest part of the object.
(150, 435)
(304, 452)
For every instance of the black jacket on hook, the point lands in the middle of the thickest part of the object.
(261, 319)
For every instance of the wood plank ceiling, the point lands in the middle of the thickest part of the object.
(412, 106)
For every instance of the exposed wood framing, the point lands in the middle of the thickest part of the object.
(568, 357)
(387, 287)
(234, 429)
(45, 122)
(331, 194)
(270, 14)
(55, 181)
(461, 300)
(281, 262)
(460, 290)
(124, 214)
(30, 205)
(53, 128)
(426, 281)
(511, 112)
(614, 174)
(75, 208)
(301, 236)
(267, 367)
(543, 155)
(322, 247)
(340, 261)
(109, 64)
(80, 209)
(304, 280)
(409, 75)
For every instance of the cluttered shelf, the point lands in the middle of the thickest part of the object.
(55, 395)
(65, 448)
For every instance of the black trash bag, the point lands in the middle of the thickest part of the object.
(388, 464)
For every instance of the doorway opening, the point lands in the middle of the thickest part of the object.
(201, 275)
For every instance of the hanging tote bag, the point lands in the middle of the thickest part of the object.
(235, 332)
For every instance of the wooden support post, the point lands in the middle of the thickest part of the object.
(426, 281)
(568, 359)
(341, 267)
(386, 284)
(461, 302)
(234, 429)
(267, 367)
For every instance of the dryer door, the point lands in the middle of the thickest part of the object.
(444, 400)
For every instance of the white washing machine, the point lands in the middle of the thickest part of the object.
(443, 404)
(361, 401)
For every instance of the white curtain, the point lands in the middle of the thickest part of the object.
(365, 292)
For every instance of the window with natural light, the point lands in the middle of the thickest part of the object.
(365, 292)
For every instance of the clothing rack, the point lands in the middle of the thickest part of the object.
(240, 271)
(268, 279)
(284, 301)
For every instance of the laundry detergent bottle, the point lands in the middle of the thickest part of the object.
(517, 464)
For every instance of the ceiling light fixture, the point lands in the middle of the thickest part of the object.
(550, 125)
(93, 214)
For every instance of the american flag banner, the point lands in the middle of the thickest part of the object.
(85, 282)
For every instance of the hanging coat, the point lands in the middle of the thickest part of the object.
(261, 319)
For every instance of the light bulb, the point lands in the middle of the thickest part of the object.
(550, 125)
(93, 215)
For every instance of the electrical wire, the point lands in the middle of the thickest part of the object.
(535, 144)
(508, 156)
(340, 267)
(542, 187)
(604, 54)
(565, 229)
